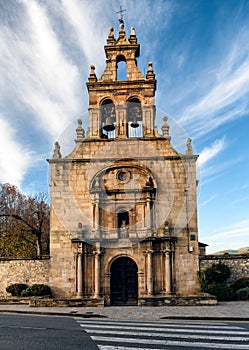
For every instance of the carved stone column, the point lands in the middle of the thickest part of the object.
(80, 276)
(167, 272)
(149, 272)
(97, 215)
(97, 273)
(148, 214)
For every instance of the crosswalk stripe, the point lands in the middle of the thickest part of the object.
(169, 335)
(174, 342)
(163, 329)
(108, 347)
(125, 335)
(166, 325)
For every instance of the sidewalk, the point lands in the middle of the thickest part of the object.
(234, 310)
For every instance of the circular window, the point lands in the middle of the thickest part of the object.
(123, 176)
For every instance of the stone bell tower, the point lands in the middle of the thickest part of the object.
(117, 108)
(123, 202)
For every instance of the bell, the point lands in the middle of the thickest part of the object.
(134, 123)
(109, 126)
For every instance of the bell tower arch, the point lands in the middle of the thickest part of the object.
(132, 98)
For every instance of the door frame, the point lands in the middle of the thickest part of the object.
(124, 294)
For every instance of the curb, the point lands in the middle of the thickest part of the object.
(92, 315)
(210, 318)
(46, 313)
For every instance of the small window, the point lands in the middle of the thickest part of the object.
(121, 68)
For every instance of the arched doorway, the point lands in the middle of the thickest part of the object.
(124, 282)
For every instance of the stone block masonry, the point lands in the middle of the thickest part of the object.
(23, 270)
(238, 264)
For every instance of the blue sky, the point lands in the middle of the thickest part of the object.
(200, 54)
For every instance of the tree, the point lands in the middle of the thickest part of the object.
(24, 223)
(213, 281)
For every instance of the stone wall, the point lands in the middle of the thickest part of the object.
(23, 270)
(239, 264)
(32, 271)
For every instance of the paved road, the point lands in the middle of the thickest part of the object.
(22, 332)
(229, 311)
(184, 335)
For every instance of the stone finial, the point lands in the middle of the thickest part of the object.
(121, 31)
(92, 77)
(150, 74)
(57, 152)
(189, 150)
(80, 131)
(133, 38)
(133, 31)
(111, 39)
(111, 33)
(165, 128)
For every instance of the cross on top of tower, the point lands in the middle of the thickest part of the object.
(121, 11)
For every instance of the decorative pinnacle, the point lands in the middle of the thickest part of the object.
(111, 33)
(165, 128)
(189, 150)
(133, 31)
(111, 39)
(92, 77)
(80, 131)
(150, 74)
(57, 152)
(121, 33)
(133, 38)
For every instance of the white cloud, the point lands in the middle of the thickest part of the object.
(14, 158)
(38, 74)
(207, 201)
(222, 94)
(238, 229)
(82, 16)
(241, 199)
(210, 167)
(209, 153)
(222, 90)
(234, 236)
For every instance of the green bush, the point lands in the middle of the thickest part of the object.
(241, 283)
(19, 289)
(16, 289)
(217, 273)
(222, 291)
(40, 289)
(242, 294)
(26, 293)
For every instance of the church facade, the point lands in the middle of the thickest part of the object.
(123, 202)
